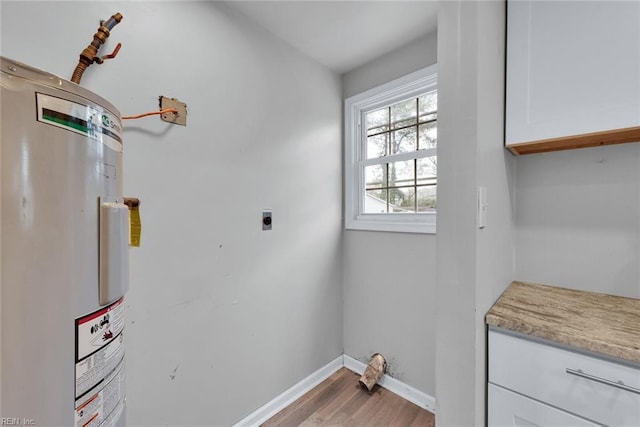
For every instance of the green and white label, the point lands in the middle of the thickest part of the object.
(91, 121)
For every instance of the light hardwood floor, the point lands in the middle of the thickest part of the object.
(340, 401)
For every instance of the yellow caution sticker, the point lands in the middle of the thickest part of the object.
(135, 226)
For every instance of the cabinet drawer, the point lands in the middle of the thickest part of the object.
(514, 410)
(572, 381)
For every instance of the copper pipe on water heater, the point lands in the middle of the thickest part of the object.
(90, 54)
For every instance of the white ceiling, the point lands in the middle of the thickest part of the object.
(343, 35)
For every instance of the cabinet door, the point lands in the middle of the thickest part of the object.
(510, 409)
(573, 67)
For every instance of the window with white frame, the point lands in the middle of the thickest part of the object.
(390, 155)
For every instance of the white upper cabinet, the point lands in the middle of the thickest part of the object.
(573, 74)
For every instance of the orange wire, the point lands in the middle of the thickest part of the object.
(151, 113)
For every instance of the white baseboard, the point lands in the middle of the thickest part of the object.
(268, 410)
(403, 390)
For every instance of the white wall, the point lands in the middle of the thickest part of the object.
(418, 54)
(389, 278)
(495, 172)
(578, 219)
(473, 265)
(221, 316)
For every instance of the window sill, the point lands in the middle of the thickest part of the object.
(424, 226)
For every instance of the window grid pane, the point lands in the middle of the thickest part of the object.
(377, 145)
(377, 121)
(400, 195)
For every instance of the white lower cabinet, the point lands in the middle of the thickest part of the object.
(507, 408)
(534, 382)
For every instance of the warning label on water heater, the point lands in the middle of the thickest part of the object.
(99, 347)
(102, 408)
(90, 121)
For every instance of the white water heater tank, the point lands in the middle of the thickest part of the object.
(64, 233)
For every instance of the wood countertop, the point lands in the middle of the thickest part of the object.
(599, 323)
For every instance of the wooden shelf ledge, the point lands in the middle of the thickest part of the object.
(595, 139)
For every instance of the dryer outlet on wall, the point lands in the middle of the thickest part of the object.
(266, 219)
